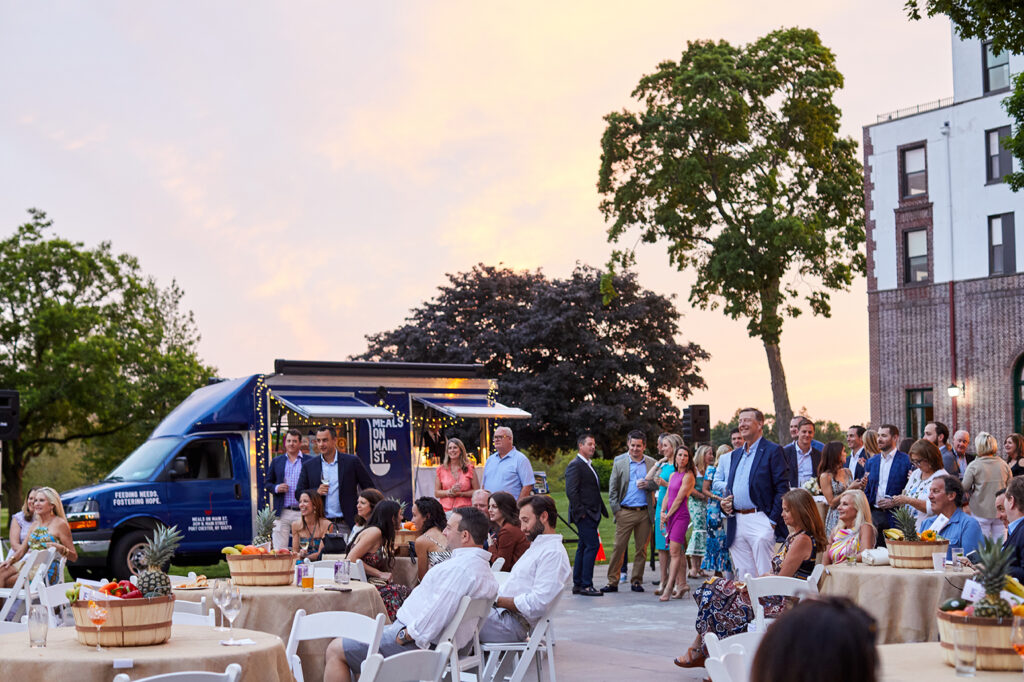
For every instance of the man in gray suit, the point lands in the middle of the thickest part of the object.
(632, 501)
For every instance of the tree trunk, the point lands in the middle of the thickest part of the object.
(780, 392)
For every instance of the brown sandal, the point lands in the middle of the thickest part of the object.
(691, 661)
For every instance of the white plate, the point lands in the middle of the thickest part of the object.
(189, 588)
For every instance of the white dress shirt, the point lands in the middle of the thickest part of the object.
(883, 474)
(431, 606)
(804, 465)
(538, 577)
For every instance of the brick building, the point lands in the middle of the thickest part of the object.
(945, 275)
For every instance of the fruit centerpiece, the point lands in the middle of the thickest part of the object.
(908, 549)
(257, 564)
(992, 615)
(136, 615)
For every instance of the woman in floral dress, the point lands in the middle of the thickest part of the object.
(698, 514)
(833, 478)
(716, 556)
(375, 545)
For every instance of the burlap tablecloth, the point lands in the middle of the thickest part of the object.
(272, 609)
(191, 647)
(924, 663)
(903, 601)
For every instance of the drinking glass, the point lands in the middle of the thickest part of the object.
(965, 647)
(231, 607)
(220, 590)
(38, 623)
(342, 573)
(1017, 635)
(938, 561)
(957, 553)
(98, 616)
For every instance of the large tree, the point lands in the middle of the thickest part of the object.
(735, 160)
(97, 350)
(559, 352)
(1002, 22)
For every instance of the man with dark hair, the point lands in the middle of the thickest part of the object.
(855, 444)
(802, 456)
(632, 502)
(282, 483)
(887, 474)
(950, 521)
(344, 474)
(431, 606)
(1013, 503)
(537, 578)
(736, 438)
(794, 431)
(586, 507)
(938, 434)
(758, 478)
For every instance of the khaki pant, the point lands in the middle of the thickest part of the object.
(283, 528)
(637, 522)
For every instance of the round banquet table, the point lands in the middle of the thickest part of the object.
(272, 609)
(903, 601)
(917, 662)
(191, 647)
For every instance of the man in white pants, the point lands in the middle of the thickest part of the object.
(758, 478)
(282, 478)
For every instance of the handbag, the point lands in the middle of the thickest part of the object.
(335, 543)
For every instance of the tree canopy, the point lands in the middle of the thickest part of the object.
(736, 162)
(1002, 22)
(97, 350)
(557, 351)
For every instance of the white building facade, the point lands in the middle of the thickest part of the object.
(945, 249)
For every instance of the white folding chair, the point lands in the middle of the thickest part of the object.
(743, 642)
(231, 674)
(498, 563)
(777, 586)
(412, 666)
(470, 611)
(6, 627)
(323, 563)
(53, 598)
(502, 578)
(331, 624)
(22, 588)
(195, 608)
(357, 571)
(183, 618)
(731, 667)
(541, 639)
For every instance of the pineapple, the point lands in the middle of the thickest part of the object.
(992, 575)
(153, 582)
(907, 523)
(264, 525)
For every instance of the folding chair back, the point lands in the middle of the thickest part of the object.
(53, 598)
(184, 618)
(743, 642)
(231, 674)
(331, 624)
(424, 666)
(33, 560)
(6, 627)
(498, 563)
(541, 638)
(196, 608)
(731, 667)
(771, 586)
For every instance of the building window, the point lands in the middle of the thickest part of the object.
(919, 411)
(1018, 395)
(1002, 257)
(999, 160)
(914, 181)
(915, 259)
(996, 69)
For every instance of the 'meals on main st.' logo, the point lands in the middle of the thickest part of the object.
(384, 439)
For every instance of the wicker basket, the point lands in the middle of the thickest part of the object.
(994, 650)
(904, 554)
(130, 622)
(262, 569)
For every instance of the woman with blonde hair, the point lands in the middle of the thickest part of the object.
(871, 443)
(456, 477)
(984, 477)
(660, 474)
(854, 533)
(49, 529)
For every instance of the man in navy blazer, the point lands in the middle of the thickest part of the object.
(802, 457)
(1014, 505)
(282, 484)
(343, 473)
(887, 474)
(758, 478)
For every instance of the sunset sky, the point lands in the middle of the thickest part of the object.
(308, 172)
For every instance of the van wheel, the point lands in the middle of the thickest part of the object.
(125, 560)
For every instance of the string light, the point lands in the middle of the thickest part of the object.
(439, 422)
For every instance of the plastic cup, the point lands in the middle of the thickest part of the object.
(938, 561)
(307, 583)
(965, 646)
(38, 624)
(957, 553)
(342, 572)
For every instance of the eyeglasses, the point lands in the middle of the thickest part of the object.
(916, 460)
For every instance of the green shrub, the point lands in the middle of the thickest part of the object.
(603, 467)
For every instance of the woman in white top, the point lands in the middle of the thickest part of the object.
(986, 475)
(927, 461)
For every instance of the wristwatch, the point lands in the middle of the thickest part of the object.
(403, 638)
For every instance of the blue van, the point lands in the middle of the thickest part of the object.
(203, 467)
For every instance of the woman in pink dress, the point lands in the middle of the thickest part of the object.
(675, 518)
(456, 478)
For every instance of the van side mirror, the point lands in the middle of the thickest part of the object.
(179, 467)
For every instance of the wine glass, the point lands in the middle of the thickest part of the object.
(220, 590)
(98, 616)
(231, 607)
(304, 545)
(1017, 635)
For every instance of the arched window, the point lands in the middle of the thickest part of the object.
(1018, 395)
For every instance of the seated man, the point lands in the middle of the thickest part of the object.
(431, 606)
(1013, 504)
(536, 579)
(947, 497)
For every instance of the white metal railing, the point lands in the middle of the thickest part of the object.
(910, 111)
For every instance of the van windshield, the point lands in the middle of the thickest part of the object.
(141, 464)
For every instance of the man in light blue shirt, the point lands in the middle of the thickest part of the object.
(947, 497)
(508, 469)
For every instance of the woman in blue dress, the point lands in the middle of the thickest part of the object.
(716, 556)
(660, 473)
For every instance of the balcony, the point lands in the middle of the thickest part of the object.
(919, 109)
